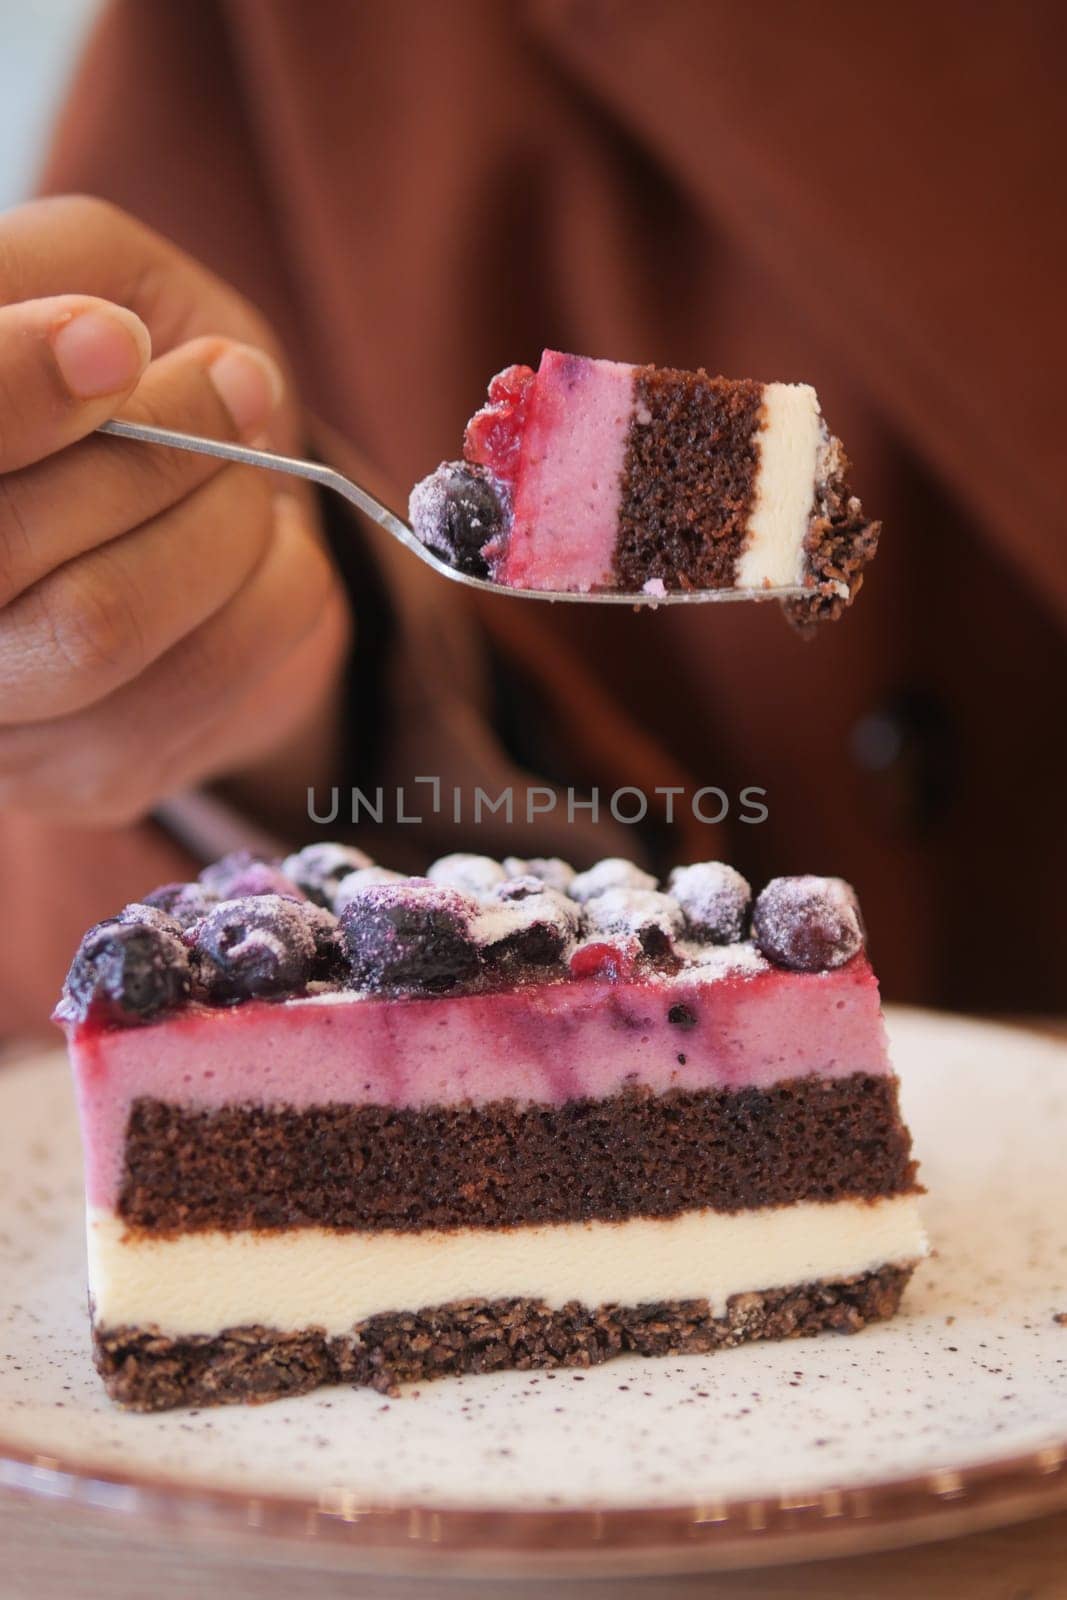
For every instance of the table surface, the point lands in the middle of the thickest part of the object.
(48, 1554)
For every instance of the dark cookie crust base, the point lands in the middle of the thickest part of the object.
(508, 1164)
(684, 507)
(840, 543)
(146, 1372)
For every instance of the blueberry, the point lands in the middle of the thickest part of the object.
(682, 1016)
(414, 937)
(328, 964)
(477, 875)
(517, 888)
(715, 899)
(611, 873)
(142, 913)
(808, 924)
(185, 902)
(654, 920)
(261, 945)
(241, 874)
(128, 971)
(217, 877)
(550, 870)
(263, 877)
(456, 512)
(319, 868)
(354, 883)
(526, 924)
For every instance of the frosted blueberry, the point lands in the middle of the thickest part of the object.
(328, 964)
(141, 912)
(185, 902)
(456, 511)
(611, 873)
(241, 874)
(808, 924)
(262, 945)
(351, 885)
(715, 899)
(551, 870)
(413, 937)
(477, 875)
(319, 868)
(654, 921)
(526, 923)
(128, 971)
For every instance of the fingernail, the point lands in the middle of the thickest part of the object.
(101, 352)
(249, 385)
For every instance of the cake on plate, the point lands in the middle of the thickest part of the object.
(596, 475)
(342, 1125)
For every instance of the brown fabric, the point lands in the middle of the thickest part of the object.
(419, 194)
(144, 1371)
(503, 1165)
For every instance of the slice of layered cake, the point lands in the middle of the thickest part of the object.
(344, 1126)
(597, 475)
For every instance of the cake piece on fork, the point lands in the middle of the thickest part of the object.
(587, 476)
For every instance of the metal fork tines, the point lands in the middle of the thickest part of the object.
(363, 500)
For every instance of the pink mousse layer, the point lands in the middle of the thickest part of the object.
(544, 1043)
(568, 490)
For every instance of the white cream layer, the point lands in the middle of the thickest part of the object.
(312, 1277)
(785, 488)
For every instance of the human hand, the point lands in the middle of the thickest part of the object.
(164, 618)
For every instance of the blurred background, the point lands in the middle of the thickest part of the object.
(40, 40)
(418, 193)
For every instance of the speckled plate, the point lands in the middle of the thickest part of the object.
(951, 1417)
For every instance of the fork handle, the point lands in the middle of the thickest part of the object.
(295, 466)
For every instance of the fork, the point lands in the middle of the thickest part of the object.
(363, 500)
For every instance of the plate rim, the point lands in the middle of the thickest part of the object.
(698, 1536)
(751, 1532)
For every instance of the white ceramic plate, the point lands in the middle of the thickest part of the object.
(953, 1415)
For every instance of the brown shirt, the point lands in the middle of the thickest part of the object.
(419, 193)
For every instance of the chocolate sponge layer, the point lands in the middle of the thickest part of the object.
(507, 1164)
(685, 506)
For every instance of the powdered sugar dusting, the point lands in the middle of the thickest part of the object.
(612, 873)
(715, 899)
(477, 875)
(506, 913)
(630, 912)
(550, 869)
(711, 961)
